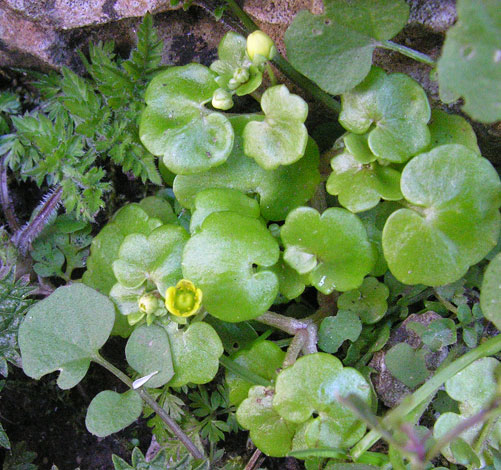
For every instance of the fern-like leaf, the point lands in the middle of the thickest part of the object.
(14, 302)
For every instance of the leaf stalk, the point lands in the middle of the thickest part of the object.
(151, 402)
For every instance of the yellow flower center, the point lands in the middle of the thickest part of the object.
(184, 299)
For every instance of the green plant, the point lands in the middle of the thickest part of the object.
(182, 273)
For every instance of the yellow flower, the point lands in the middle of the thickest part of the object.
(183, 300)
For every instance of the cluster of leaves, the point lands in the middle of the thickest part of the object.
(241, 239)
(82, 123)
(335, 49)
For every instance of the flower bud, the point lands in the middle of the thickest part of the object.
(148, 303)
(221, 99)
(183, 300)
(233, 84)
(259, 43)
(241, 75)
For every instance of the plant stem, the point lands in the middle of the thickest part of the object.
(407, 51)
(6, 201)
(148, 399)
(490, 347)
(295, 347)
(287, 324)
(287, 69)
(452, 308)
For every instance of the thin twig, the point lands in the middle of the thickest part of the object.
(6, 201)
(253, 460)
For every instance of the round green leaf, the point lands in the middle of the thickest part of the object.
(359, 186)
(148, 351)
(333, 248)
(335, 49)
(156, 257)
(176, 126)
(281, 138)
(269, 432)
(280, 190)
(220, 259)
(110, 412)
(313, 385)
(394, 109)
(455, 220)
(368, 301)
(195, 353)
(490, 296)
(131, 218)
(334, 331)
(448, 128)
(469, 64)
(64, 332)
(221, 200)
(263, 358)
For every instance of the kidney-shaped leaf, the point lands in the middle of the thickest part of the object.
(470, 63)
(394, 109)
(279, 191)
(313, 385)
(220, 260)
(270, 433)
(333, 248)
(263, 358)
(148, 351)
(195, 353)
(490, 296)
(111, 412)
(64, 332)
(221, 200)
(176, 126)
(455, 220)
(131, 218)
(335, 49)
(358, 183)
(156, 257)
(281, 138)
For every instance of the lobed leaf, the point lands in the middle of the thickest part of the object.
(469, 64)
(176, 126)
(64, 332)
(313, 385)
(334, 331)
(309, 239)
(271, 433)
(282, 137)
(221, 200)
(220, 259)
(335, 49)
(156, 257)
(195, 353)
(394, 109)
(358, 180)
(110, 412)
(454, 220)
(263, 358)
(279, 191)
